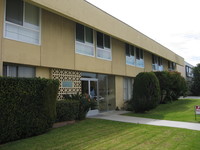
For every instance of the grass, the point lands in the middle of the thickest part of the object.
(181, 110)
(96, 134)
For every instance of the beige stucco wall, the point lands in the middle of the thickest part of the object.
(147, 61)
(20, 52)
(119, 91)
(58, 41)
(43, 72)
(181, 69)
(83, 12)
(1, 35)
(118, 57)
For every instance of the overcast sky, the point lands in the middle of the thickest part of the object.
(173, 23)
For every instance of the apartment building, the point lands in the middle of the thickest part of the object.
(86, 49)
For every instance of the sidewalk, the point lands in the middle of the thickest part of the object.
(115, 116)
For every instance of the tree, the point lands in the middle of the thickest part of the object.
(196, 81)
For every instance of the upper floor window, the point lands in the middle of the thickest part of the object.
(189, 72)
(103, 46)
(157, 63)
(171, 66)
(130, 54)
(11, 70)
(84, 40)
(22, 22)
(134, 56)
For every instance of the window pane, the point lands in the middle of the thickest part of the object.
(89, 35)
(127, 50)
(27, 72)
(141, 54)
(132, 50)
(100, 40)
(107, 41)
(137, 53)
(31, 15)
(80, 32)
(11, 71)
(14, 11)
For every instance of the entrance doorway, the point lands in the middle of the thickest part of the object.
(90, 87)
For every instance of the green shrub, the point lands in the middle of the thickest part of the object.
(27, 107)
(67, 110)
(178, 86)
(146, 92)
(85, 103)
(172, 85)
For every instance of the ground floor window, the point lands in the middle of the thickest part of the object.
(13, 70)
(128, 88)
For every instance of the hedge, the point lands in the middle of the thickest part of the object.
(27, 107)
(67, 110)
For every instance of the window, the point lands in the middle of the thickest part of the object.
(130, 54)
(171, 66)
(134, 56)
(22, 22)
(18, 71)
(157, 64)
(189, 72)
(103, 46)
(139, 57)
(84, 40)
(128, 88)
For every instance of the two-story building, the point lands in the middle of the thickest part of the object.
(86, 49)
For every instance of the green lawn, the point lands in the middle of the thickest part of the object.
(181, 110)
(96, 134)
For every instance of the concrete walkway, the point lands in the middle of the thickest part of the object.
(115, 116)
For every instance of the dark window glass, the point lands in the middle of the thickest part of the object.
(14, 11)
(100, 40)
(80, 32)
(89, 35)
(132, 50)
(107, 41)
(127, 50)
(153, 59)
(137, 53)
(141, 54)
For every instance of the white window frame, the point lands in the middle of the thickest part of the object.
(85, 44)
(22, 26)
(156, 66)
(108, 50)
(137, 62)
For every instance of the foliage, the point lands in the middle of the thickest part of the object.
(196, 81)
(27, 107)
(66, 110)
(172, 85)
(85, 103)
(146, 92)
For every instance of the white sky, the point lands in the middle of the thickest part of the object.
(173, 23)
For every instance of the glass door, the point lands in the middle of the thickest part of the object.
(90, 86)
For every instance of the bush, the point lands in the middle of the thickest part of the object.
(178, 86)
(146, 92)
(67, 110)
(85, 103)
(196, 81)
(27, 107)
(172, 85)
